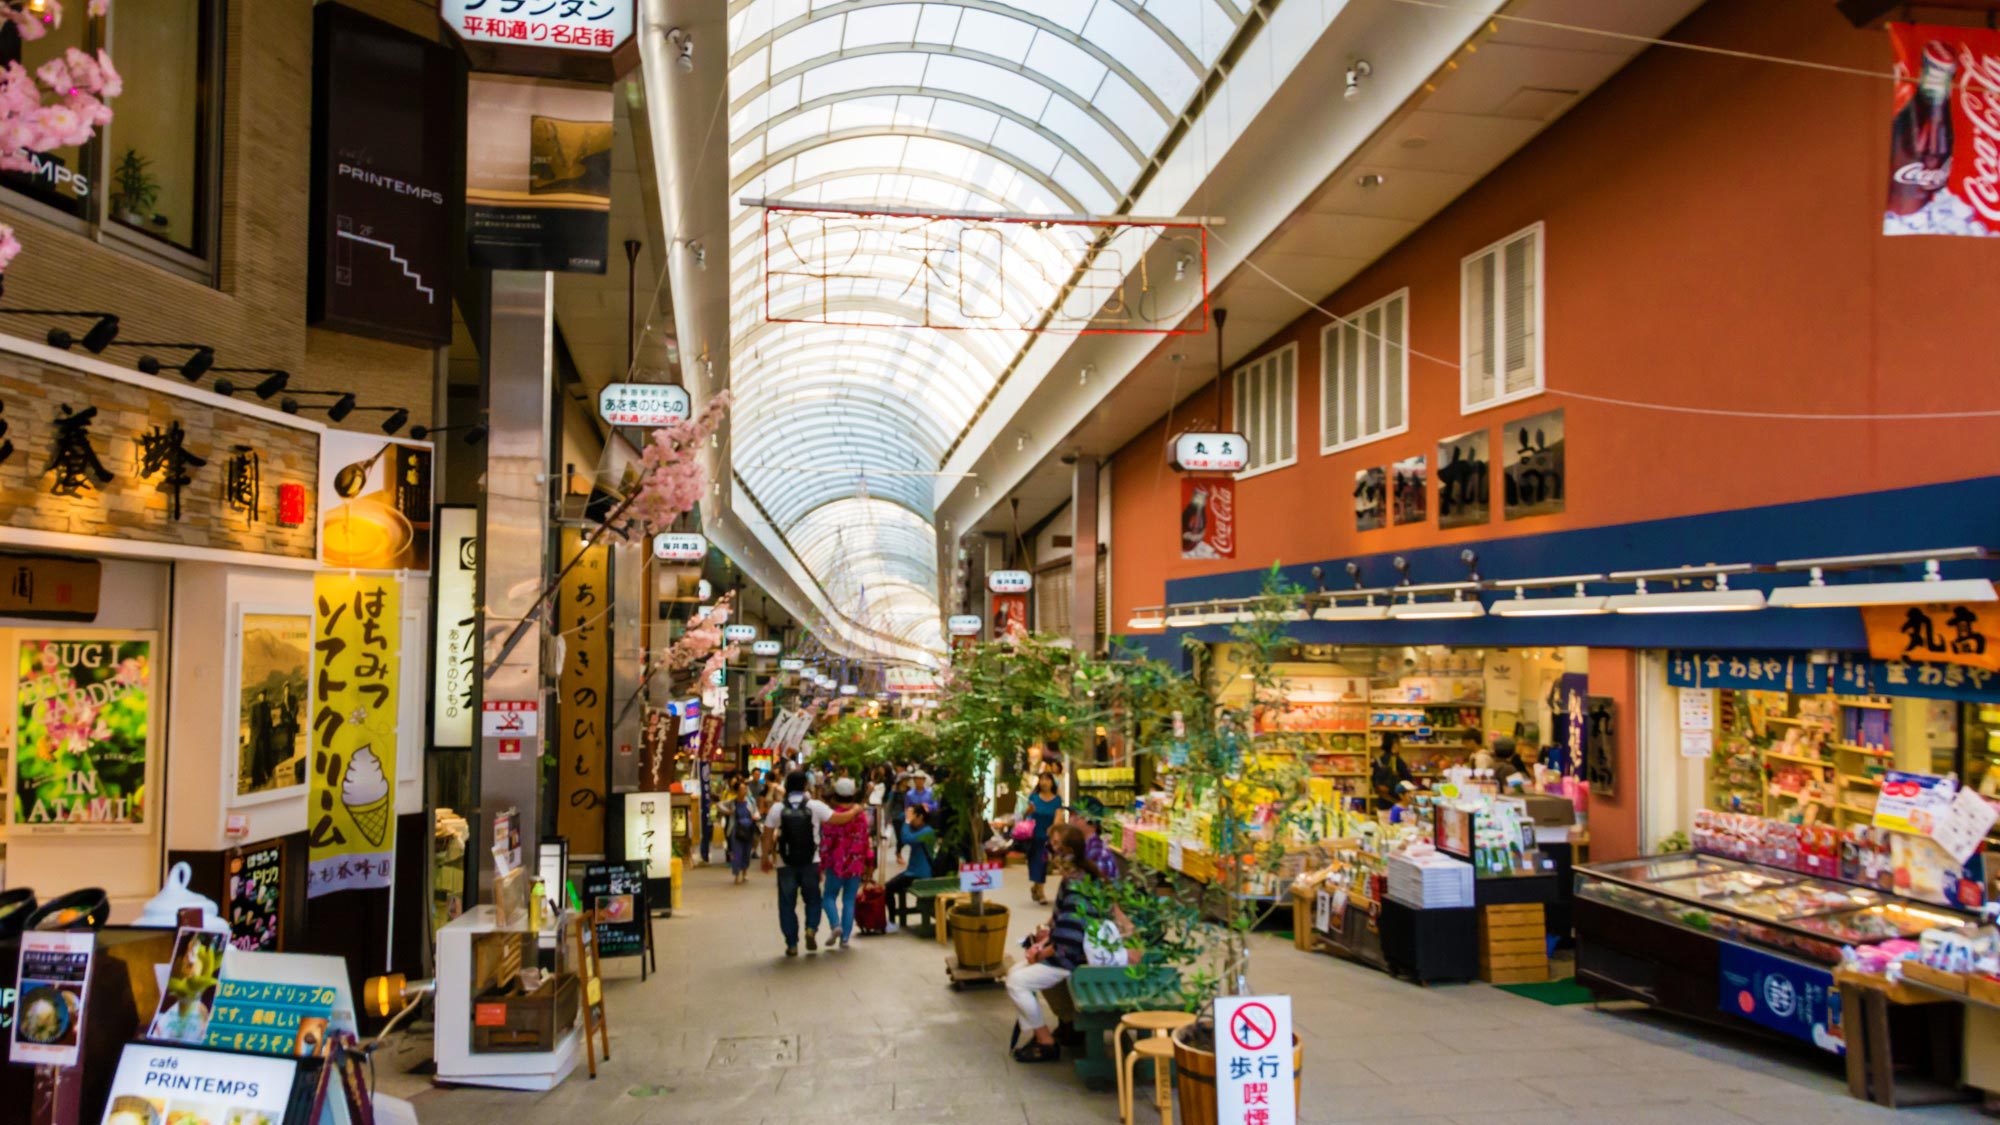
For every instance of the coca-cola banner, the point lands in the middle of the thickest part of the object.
(1208, 518)
(1944, 140)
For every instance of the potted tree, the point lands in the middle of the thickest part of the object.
(1260, 810)
(1000, 698)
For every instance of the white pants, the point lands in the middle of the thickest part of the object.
(1024, 985)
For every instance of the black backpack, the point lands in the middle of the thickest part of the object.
(798, 842)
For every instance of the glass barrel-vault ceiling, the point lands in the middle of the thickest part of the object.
(1032, 107)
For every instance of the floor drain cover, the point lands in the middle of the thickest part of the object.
(756, 1051)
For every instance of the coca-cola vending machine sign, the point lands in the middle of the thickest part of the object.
(1944, 139)
(1208, 518)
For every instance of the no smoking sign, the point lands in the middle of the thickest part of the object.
(1254, 1061)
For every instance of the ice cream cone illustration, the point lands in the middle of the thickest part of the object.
(365, 792)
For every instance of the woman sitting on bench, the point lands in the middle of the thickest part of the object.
(1054, 950)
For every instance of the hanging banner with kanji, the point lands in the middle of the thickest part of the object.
(583, 618)
(1944, 136)
(1845, 673)
(1955, 633)
(351, 804)
(1208, 518)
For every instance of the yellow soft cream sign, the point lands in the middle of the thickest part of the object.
(351, 805)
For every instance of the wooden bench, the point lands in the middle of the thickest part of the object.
(1100, 996)
(920, 904)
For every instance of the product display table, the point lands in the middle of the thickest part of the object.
(1867, 1003)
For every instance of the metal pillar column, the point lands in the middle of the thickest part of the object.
(1083, 555)
(629, 575)
(514, 542)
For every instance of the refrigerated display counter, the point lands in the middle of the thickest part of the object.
(1704, 935)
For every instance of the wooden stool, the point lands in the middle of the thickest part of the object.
(1160, 1049)
(1145, 1027)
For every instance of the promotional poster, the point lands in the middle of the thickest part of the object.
(1208, 518)
(1944, 132)
(351, 805)
(537, 174)
(275, 703)
(374, 503)
(85, 723)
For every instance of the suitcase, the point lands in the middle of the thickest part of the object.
(871, 910)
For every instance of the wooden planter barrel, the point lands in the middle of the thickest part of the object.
(1194, 1079)
(979, 936)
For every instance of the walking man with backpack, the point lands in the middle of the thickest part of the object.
(791, 833)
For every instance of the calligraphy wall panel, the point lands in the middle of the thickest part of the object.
(132, 506)
(583, 618)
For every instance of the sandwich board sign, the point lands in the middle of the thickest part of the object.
(1253, 1060)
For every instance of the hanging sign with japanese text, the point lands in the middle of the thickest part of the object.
(1208, 518)
(455, 638)
(1010, 581)
(736, 634)
(680, 546)
(598, 26)
(351, 802)
(84, 730)
(766, 648)
(1846, 673)
(583, 618)
(1955, 633)
(1944, 139)
(644, 404)
(791, 664)
(1253, 1060)
(1211, 453)
(962, 625)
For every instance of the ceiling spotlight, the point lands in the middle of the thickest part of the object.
(197, 365)
(1181, 265)
(289, 405)
(341, 408)
(475, 434)
(700, 253)
(95, 339)
(395, 420)
(1369, 180)
(685, 42)
(272, 384)
(225, 388)
(1356, 71)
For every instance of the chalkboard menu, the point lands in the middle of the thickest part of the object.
(615, 895)
(257, 895)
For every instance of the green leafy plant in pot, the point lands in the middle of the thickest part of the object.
(1263, 813)
(998, 699)
(134, 191)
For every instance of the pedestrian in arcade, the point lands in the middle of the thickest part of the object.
(847, 853)
(792, 836)
(1045, 806)
(743, 818)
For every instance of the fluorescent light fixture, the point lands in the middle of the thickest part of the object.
(1368, 610)
(1816, 594)
(1296, 613)
(1227, 616)
(1142, 623)
(1457, 607)
(1885, 593)
(1520, 605)
(1722, 599)
(1185, 619)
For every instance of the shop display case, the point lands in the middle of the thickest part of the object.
(1780, 910)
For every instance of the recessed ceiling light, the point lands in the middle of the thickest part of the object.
(1369, 179)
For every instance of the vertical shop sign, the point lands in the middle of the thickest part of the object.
(257, 896)
(350, 804)
(1950, 633)
(1786, 996)
(456, 635)
(1208, 518)
(537, 174)
(583, 618)
(1944, 135)
(380, 246)
(84, 727)
(49, 994)
(1253, 1061)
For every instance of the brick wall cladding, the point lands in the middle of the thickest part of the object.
(129, 507)
(255, 315)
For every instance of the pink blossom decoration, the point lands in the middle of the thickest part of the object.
(79, 82)
(9, 246)
(671, 480)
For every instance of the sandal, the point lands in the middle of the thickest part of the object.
(1033, 1052)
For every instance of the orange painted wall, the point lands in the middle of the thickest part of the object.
(1614, 820)
(1712, 241)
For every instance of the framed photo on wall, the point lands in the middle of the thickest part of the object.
(271, 688)
(1409, 488)
(1534, 455)
(1465, 490)
(1371, 499)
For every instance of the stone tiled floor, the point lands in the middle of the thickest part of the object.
(874, 1033)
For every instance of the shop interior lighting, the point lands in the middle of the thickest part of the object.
(1580, 604)
(200, 358)
(95, 339)
(1721, 599)
(1459, 606)
(1933, 587)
